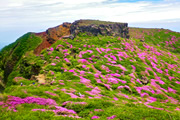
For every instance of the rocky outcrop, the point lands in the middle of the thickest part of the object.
(41, 78)
(144, 80)
(57, 32)
(95, 27)
(52, 35)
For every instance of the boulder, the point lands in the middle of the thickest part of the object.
(68, 37)
(55, 33)
(144, 80)
(142, 40)
(41, 78)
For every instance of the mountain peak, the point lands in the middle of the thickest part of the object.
(90, 27)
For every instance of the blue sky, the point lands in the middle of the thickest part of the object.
(18, 17)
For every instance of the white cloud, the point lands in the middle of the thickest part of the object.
(40, 14)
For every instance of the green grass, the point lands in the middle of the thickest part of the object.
(124, 103)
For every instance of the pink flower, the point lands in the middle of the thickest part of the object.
(53, 94)
(98, 50)
(43, 110)
(71, 70)
(107, 86)
(122, 81)
(94, 117)
(83, 61)
(112, 117)
(132, 75)
(83, 66)
(177, 109)
(71, 46)
(171, 90)
(138, 81)
(59, 46)
(81, 103)
(51, 49)
(133, 67)
(115, 98)
(98, 110)
(144, 94)
(72, 95)
(94, 91)
(123, 68)
(53, 64)
(152, 99)
(66, 50)
(170, 78)
(1, 103)
(66, 60)
(61, 83)
(57, 57)
(90, 51)
(52, 73)
(177, 82)
(112, 80)
(13, 101)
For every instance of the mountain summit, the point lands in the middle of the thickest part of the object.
(91, 27)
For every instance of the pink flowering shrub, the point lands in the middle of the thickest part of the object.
(53, 64)
(67, 60)
(95, 117)
(112, 117)
(53, 94)
(13, 101)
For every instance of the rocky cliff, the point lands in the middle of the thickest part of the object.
(52, 35)
(95, 27)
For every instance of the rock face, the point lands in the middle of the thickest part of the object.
(95, 27)
(57, 32)
(52, 35)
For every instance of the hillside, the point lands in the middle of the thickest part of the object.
(93, 76)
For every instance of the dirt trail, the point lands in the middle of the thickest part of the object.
(41, 78)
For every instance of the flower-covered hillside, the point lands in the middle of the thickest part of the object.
(97, 77)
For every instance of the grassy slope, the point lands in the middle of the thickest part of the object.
(108, 79)
(11, 54)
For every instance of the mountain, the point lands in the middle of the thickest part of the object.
(92, 69)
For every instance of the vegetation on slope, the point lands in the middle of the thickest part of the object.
(98, 77)
(11, 54)
(161, 37)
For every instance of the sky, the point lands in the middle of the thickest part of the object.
(18, 17)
